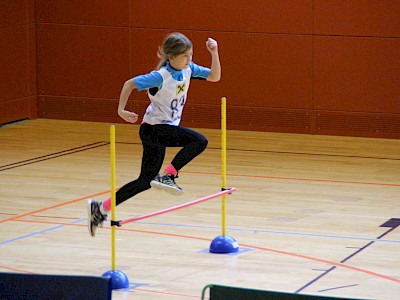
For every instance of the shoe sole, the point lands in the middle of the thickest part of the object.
(89, 212)
(169, 189)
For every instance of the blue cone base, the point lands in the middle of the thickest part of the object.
(118, 279)
(224, 244)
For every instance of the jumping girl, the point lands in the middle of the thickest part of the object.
(167, 88)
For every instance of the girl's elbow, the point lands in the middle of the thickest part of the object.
(214, 78)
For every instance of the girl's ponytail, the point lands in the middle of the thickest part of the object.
(163, 58)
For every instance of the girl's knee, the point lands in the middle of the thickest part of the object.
(203, 143)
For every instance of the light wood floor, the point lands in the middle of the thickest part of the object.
(307, 213)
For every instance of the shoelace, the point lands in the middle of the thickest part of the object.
(98, 217)
(168, 179)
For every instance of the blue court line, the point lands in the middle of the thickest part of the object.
(272, 231)
(38, 232)
(217, 228)
(30, 235)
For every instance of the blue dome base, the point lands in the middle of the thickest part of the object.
(224, 244)
(118, 279)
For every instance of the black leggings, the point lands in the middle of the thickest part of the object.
(155, 140)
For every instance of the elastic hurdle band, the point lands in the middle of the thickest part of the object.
(172, 208)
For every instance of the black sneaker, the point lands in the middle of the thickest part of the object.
(167, 183)
(95, 217)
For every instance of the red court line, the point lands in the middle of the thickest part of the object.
(51, 207)
(16, 270)
(167, 293)
(41, 216)
(209, 173)
(295, 178)
(383, 276)
(194, 237)
(325, 261)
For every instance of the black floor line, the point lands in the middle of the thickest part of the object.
(52, 156)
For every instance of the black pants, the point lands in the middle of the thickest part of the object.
(155, 140)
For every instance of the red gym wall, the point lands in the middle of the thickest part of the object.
(301, 66)
(17, 61)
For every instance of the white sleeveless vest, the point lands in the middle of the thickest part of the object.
(167, 104)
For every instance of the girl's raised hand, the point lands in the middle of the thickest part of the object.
(212, 45)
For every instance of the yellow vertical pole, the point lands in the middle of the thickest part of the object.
(223, 157)
(113, 198)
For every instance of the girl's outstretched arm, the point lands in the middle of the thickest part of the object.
(127, 89)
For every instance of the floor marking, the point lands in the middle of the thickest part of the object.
(255, 231)
(392, 223)
(297, 179)
(168, 293)
(292, 254)
(52, 155)
(132, 287)
(16, 270)
(53, 206)
(339, 287)
(287, 152)
(39, 232)
(29, 235)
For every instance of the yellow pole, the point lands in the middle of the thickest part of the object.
(113, 198)
(223, 156)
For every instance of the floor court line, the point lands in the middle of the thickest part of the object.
(250, 246)
(296, 178)
(238, 229)
(285, 152)
(212, 173)
(166, 293)
(29, 235)
(40, 216)
(272, 231)
(339, 287)
(16, 270)
(305, 234)
(52, 207)
(277, 251)
(61, 225)
(343, 261)
(52, 156)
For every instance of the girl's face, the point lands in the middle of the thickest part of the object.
(181, 61)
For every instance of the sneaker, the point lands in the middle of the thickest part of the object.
(167, 183)
(95, 217)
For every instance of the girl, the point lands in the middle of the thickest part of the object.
(167, 88)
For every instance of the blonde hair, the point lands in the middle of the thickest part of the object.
(174, 44)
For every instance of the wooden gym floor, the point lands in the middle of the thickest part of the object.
(312, 214)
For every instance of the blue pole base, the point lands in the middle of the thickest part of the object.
(118, 279)
(224, 244)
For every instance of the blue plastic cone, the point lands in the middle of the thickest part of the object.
(118, 279)
(224, 244)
